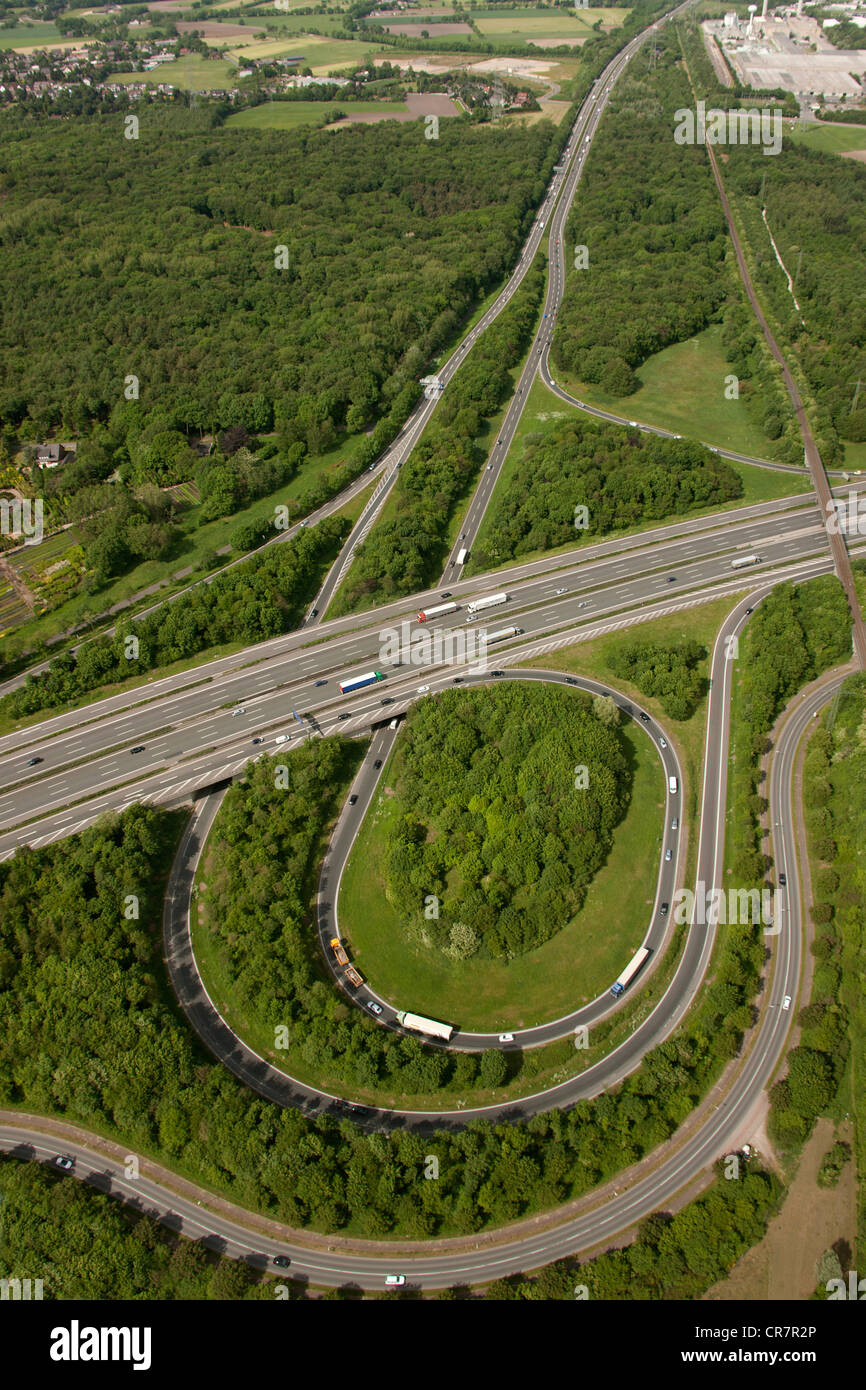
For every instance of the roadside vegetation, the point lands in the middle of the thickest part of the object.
(255, 601)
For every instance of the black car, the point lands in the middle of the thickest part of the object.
(258, 740)
(314, 612)
(664, 909)
(31, 762)
(344, 715)
(783, 880)
(447, 595)
(324, 682)
(750, 610)
(672, 579)
(352, 799)
(644, 718)
(458, 680)
(139, 748)
(282, 1261)
(388, 700)
(378, 762)
(497, 673)
(569, 680)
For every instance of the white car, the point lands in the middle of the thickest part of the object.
(394, 1281)
(583, 605)
(240, 710)
(506, 1037)
(64, 1161)
(786, 1002)
(560, 591)
(663, 743)
(422, 689)
(667, 856)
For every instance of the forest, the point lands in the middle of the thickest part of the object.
(494, 821)
(657, 242)
(262, 598)
(156, 259)
(621, 477)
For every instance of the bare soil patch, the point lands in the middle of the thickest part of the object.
(811, 1220)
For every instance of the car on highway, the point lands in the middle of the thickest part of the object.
(422, 689)
(344, 715)
(645, 719)
(282, 1261)
(664, 909)
(786, 1002)
(490, 468)
(783, 880)
(458, 680)
(322, 682)
(240, 710)
(387, 700)
(663, 743)
(395, 1281)
(314, 612)
(675, 823)
(497, 673)
(672, 579)
(667, 856)
(31, 762)
(378, 763)
(373, 1006)
(569, 680)
(583, 605)
(352, 799)
(506, 1037)
(281, 738)
(560, 591)
(139, 748)
(447, 594)
(65, 1162)
(258, 740)
(750, 610)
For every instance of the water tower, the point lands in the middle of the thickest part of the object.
(751, 28)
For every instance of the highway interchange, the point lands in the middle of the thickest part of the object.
(197, 728)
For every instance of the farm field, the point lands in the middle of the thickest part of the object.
(192, 74)
(319, 53)
(287, 115)
(33, 36)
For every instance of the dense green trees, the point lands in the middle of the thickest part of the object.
(618, 477)
(261, 598)
(668, 673)
(168, 271)
(495, 823)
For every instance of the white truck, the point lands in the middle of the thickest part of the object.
(672, 786)
(479, 605)
(462, 556)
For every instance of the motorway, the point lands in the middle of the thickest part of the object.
(602, 1216)
(199, 728)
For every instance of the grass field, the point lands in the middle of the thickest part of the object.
(567, 971)
(320, 54)
(543, 410)
(287, 115)
(683, 389)
(30, 35)
(191, 74)
(830, 139)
